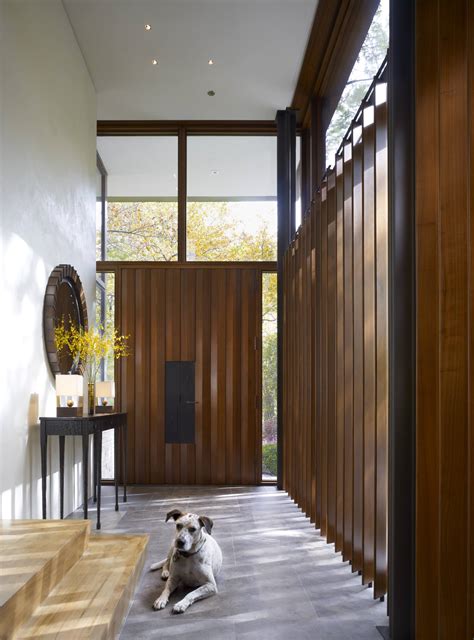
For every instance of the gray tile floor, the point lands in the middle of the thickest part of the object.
(280, 579)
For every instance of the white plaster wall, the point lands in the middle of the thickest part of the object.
(47, 217)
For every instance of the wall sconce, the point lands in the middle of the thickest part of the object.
(106, 391)
(72, 388)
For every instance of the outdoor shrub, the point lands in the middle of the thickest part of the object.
(269, 459)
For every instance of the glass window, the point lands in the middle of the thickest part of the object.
(371, 56)
(142, 200)
(269, 376)
(232, 198)
(105, 320)
(99, 204)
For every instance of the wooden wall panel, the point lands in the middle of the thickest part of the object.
(344, 417)
(331, 437)
(444, 399)
(358, 382)
(368, 570)
(339, 314)
(382, 364)
(348, 357)
(211, 316)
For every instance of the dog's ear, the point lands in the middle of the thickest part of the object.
(206, 522)
(175, 514)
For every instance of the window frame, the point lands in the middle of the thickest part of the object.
(183, 130)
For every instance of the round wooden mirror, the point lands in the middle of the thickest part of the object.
(64, 300)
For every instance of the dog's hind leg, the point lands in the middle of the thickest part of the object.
(158, 565)
(163, 564)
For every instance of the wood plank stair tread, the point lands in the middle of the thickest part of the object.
(34, 557)
(92, 599)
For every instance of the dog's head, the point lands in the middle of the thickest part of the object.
(189, 528)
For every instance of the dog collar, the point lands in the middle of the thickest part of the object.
(186, 554)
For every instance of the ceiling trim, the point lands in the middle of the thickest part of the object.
(337, 34)
(191, 127)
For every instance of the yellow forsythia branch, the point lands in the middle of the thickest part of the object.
(90, 347)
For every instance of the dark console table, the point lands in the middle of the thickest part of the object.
(86, 426)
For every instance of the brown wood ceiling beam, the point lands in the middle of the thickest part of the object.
(337, 34)
(191, 127)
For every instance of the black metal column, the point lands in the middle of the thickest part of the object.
(402, 420)
(286, 192)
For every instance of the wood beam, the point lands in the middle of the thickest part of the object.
(337, 34)
(192, 127)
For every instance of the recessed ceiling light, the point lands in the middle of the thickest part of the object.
(154, 61)
(211, 93)
(214, 172)
(148, 27)
(210, 61)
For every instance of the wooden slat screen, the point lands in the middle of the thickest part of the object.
(336, 350)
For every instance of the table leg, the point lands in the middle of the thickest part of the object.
(85, 469)
(116, 465)
(95, 467)
(125, 458)
(44, 453)
(61, 475)
(99, 473)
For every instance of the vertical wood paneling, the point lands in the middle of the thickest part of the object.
(339, 354)
(427, 396)
(203, 376)
(348, 357)
(444, 235)
(336, 307)
(313, 363)
(173, 352)
(211, 316)
(318, 353)
(368, 570)
(323, 362)
(157, 376)
(188, 353)
(453, 378)
(127, 377)
(358, 298)
(381, 315)
(141, 356)
(330, 369)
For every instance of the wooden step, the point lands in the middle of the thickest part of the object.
(92, 599)
(35, 555)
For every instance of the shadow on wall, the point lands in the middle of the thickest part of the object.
(28, 392)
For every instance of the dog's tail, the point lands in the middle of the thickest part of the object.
(158, 565)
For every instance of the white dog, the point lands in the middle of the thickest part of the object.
(194, 560)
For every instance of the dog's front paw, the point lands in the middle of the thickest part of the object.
(160, 603)
(180, 607)
(165, 574)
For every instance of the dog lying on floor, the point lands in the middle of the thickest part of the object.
(194, 560)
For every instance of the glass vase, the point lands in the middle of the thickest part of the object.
(91, 398)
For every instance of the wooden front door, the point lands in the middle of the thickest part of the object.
(209, 316)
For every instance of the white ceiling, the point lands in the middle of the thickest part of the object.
(257, 47)
(218, 167)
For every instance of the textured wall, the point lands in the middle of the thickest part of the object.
(47, 206)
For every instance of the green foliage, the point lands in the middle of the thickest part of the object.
(149, 231)
(269, 459)
(269, 376)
